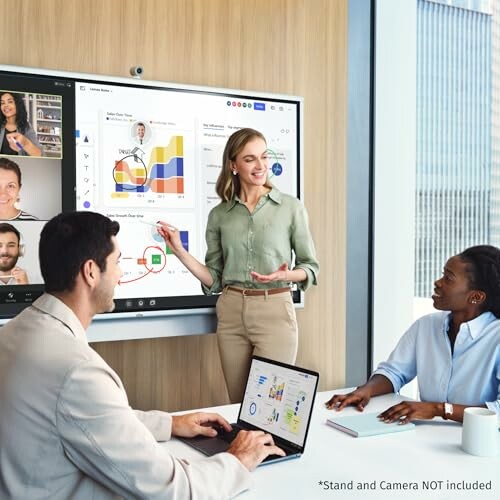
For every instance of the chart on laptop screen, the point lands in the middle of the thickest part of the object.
(279, 400)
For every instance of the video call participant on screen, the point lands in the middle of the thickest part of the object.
(140, 133)
(455, 354)
(251, 236)
(66, 427)
(10, 186)
(10, 251)
(17, 136)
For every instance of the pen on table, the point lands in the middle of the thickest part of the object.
(157, 224)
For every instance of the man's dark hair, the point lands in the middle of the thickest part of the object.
(9, 228)
(70, 239)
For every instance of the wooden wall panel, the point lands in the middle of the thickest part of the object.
(285, 46)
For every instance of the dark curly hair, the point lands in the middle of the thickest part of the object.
(483, 268)
(21, 113)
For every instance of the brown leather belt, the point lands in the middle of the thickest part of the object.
(252, 293)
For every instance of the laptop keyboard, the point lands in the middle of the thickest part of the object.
(272, 457)
(227, 436)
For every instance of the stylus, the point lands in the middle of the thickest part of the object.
(157, 224)
(17, 143)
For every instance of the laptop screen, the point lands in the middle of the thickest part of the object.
(278, 399)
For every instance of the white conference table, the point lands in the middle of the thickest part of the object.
(430, 452)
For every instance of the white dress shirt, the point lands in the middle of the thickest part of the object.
(67, 430)
(470, 376)
(12, 281)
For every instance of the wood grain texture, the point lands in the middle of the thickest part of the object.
(285, 46)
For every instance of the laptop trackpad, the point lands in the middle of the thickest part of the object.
(209, 445)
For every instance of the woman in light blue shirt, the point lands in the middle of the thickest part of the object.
(455, 353)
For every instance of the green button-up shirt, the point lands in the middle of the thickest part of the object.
(239, 242)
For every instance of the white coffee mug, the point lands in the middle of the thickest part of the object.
(480, 432)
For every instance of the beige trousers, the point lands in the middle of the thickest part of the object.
(247, 325)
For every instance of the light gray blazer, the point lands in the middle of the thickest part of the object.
(67, 430)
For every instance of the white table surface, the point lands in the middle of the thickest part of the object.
(430, 452)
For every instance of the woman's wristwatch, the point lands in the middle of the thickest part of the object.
(447, 410)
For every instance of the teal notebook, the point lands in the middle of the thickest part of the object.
(366, 424)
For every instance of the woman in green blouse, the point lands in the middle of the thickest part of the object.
(251, 238)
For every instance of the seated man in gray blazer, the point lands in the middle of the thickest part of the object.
(66, 429)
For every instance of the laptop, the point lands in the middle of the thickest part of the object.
(278, 400)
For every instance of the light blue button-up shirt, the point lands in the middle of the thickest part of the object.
(470, 376)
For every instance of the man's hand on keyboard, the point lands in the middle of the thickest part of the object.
(198, 424)
(252, 447)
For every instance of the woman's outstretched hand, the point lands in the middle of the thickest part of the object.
(279, 275)
(171, 236)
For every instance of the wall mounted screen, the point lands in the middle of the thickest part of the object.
(137, 152)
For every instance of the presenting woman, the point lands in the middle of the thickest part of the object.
(10, 186)
(17, 137)
(455, 354)
(252, 236)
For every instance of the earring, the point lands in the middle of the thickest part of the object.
(473, 301)
(234, 172)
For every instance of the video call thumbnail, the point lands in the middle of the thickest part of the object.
(30, 179)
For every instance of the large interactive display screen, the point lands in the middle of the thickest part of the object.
(137, 152)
